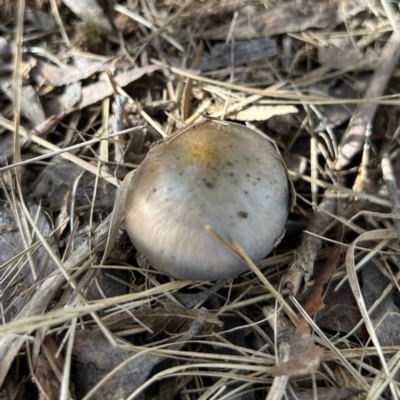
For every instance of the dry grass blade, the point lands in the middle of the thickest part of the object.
(56, 317)
(117, 214)
(280, 327)
(324, 340)
(18, 82)
(390, 180)
(173, 318)
(353, 139)
(237, 250)
(391, 14)
(147, 361)
(303, 264)
(288, 97)
(353, 280)
(83, 314)
(65, 152)
(120, 8)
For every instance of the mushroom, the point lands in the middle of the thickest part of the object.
(213, 173)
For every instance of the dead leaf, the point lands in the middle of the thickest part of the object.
(40, 19)
(7, 146)
(98, 91)
(261, 113)
(294, 16)
(81, 68)
(295, 163)
(71, 96)
(386, 316)
(239, 53)
(314, 299)
(189, 300)
(43, 295)
(187, 91)
(305, 357)
(13, 387)
(335, 115)
(108, 283)
(342, 54)
(37, 265)
(45, 366)
(298, 353)
(340, 312)
(31, 107)
(7, 48)
(95, 358)
(58, 179)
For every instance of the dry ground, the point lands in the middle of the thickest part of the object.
(83, 316)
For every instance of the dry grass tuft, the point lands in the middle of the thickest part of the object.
(87, 88)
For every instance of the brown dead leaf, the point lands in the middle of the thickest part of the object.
(125, 371)
(31, 107)
(168, 389)
(124, 24)
(262, 113)
(342, 54)
(314, 300)
(7, 47)
(336, 114)
(13, 387)
(294, 16)
(45, 373)
(340, 312)
(305, 357)
(71, 95)
(58, 179)
(40, 19)
(81, 68)
(14, 241)
(386, 315)
(98, 91)
(189, 300)
(226, 55)
(7, 146)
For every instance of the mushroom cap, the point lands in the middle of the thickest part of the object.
(214, 173)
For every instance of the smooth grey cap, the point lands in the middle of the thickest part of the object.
(214, 173)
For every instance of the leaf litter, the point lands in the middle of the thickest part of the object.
(87, 88)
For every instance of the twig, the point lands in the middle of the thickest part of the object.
(353, 139)
(305, 255)
(281, 327)
(391, 184)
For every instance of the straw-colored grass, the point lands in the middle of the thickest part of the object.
(75, 296)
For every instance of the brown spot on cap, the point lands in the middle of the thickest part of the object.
(243, 214)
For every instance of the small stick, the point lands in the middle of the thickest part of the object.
(391, 184)
(353, 139)
(283, 330)
(305, 255)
